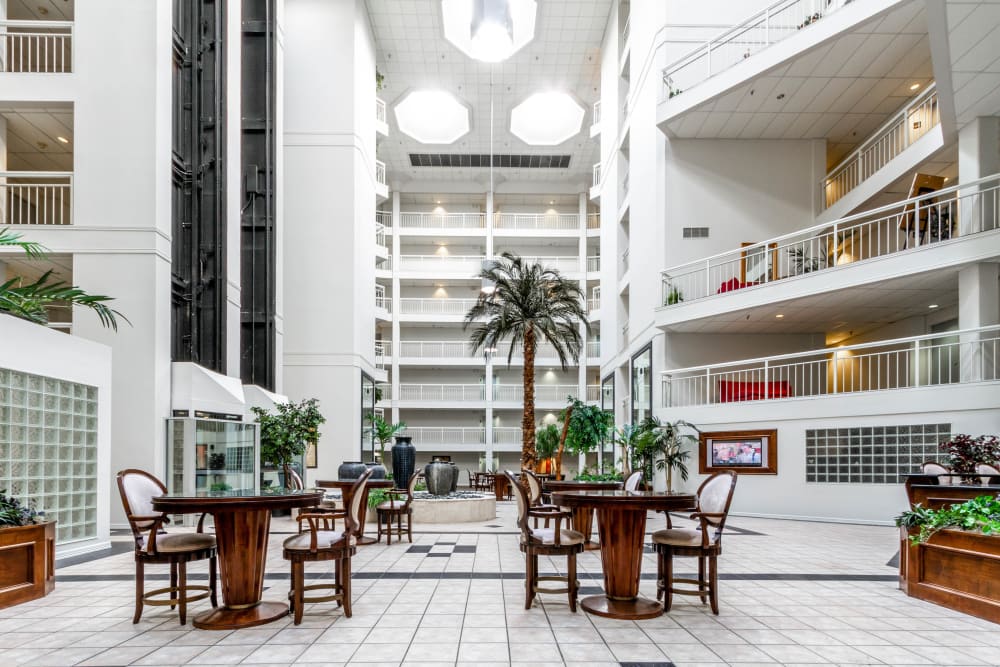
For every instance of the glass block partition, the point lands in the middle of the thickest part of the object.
(48, 449)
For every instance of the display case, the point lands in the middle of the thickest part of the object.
(210, 455)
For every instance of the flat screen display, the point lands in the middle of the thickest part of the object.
(749, 453)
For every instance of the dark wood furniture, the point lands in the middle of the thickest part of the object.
(325, 545)
(714, 498)
(621, 524)
(138, 489)
(242, 520)
(555, 541)
(501, 486)
(346, 488)
(328, 508)
(399, 506)
(583, 516)
(27, 563)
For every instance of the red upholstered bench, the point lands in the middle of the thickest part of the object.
(731, 391)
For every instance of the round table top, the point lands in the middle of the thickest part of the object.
(224, 501)
(571, 485)
(343, 484)
(634, 500)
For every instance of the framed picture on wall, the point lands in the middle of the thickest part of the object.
(311, 454)
(743, 452)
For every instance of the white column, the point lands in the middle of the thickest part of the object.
(3, 36)
(582, 250)
(978, 157)
(3, 144)
(234, 188)
(978, 306)
(396, 306)
(488, 374)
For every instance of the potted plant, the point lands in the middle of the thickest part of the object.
(964, 453)
(27, 552)
(546, 444)
(674, 295)
(661, 445)
(584, 429)
(283, 434)
(384, 433)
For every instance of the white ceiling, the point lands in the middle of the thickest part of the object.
(40, 10)
(565, 55)
(31, 137)
(841, 90)
(974, 44)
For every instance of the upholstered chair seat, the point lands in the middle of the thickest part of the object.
(303, 541)
(547, 536)
(180, 542)
(681, 537)
(633, 481)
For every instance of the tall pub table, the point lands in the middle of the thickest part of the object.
(583, 515)
(621, 523)
(345, 486)
(242, 520)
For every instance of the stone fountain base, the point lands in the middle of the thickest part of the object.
(459, 507)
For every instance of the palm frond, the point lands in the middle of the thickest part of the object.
(30, 248)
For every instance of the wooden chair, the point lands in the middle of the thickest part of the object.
(989, 474)
(535, 496)
(633, 481)
(156, 546)
(396, 508)
(537, 542)
(942, 472)
(714, 497)
(327, 507)
(322, 545)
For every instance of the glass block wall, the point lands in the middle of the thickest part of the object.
(871, 454)
(48, 449)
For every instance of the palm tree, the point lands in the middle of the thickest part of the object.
(662, 442)
(528, 304)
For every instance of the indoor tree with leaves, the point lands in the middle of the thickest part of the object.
(527, 304)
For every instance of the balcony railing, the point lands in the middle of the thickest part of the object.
(442, 220)
(442, 392)
(558, 263)
(542, 351)
(379, 110)
(915, 120)
(921, 361)
(382, 350)
(432, 349)
(424, 306)
(594, 303)
(596, 116)
(380, 234)
(36, 47)
(507, 435)
(964, 209)
(36, 198)
(596, 178)
(536, 221)
(383, 263)
(384, 391)
(593, 393)
(383, 218)
(511, 393)
(594, 263)
(381, 300)
(446, 435)
(380, 172)
(470, 264)
(775, 23)
(594, 348)
(593, 221)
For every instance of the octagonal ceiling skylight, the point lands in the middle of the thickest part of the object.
(546, 119)
(489, 30)
(432, 117)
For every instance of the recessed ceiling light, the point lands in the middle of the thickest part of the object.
(432, 117)
(63, 140)
(779, 316)
(914, 86)
(546, 119)
(932, 306)
(489, 30)
(552, 203)
(438, 201)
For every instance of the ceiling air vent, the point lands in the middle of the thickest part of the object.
(696, 232)
(483, 160)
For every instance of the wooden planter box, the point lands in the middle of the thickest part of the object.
(27, 563)
(956, 569)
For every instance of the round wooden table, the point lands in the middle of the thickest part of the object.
(583, 516)
(621, 523)
(345, 486)
(242, 521)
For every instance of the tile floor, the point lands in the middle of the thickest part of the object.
(791, 593)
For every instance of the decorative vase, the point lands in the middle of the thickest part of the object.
(378, 470)
(351, 470)
(454, 478)
(440, 476)
(404, 458)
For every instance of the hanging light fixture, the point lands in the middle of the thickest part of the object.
(489, 30)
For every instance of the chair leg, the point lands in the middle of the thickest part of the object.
(338, 582)
(701, 579)
(173, 586)
(345, 576)
(659, 574)
(713, 584)
(139, 567)
(212, 577)
(668, 578)
(182, 591)
(399, 527)
(571, 581)
(529, 582)
(409, 525)
(298, 590)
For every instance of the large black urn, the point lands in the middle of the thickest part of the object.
(351, 470)
(404, 458)
(440, 476)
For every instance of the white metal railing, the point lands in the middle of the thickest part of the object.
(380, 110)
(593, 393)
(381, 301)
(511, 393)
(427, 306)
(769, 26)
(910, 123)
(380, 234)
(596, 116)
(936, 359)
(36, 198)
(384, 218)
(594, 303)
(470, 264)
(442, 220)
(594, 348)
(446, 435)
(594, 263)
(542, 351)
(962, 210)
(442, 392)
(593, 221)
(383, 263)
(428, 349)
(561, 263)
(596, 178)
(507, 435)
(36, 47)
(380, 172)
(383, 349)
(384, 391)
(536, 221)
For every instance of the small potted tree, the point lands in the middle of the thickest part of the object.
(284, 434)
(546, 444)
(584, 428)
(661, 444)
(964, 453)
(27, 553)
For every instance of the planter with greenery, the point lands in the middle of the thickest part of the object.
(674, 295)
(585, 427)
(528, 304)
(546, 444)
(384, 432)
(661, 445)
(27, 553)
(626, 436)
(951, 556)
(964, 453)
(284, 433)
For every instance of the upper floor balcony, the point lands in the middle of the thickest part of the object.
(36, 198)
(36, 47)
(414, 222)
(595, 182)
(549, 394)
(435, 309)
(381, 184)
(442, 264)
(594, 221)
(958, 357)
(946, 228)
(438, 351)
(536, 221)
(565, 264)
(595, 119)
(381, 124)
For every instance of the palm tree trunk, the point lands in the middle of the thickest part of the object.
(528, 456)
(562, 442)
